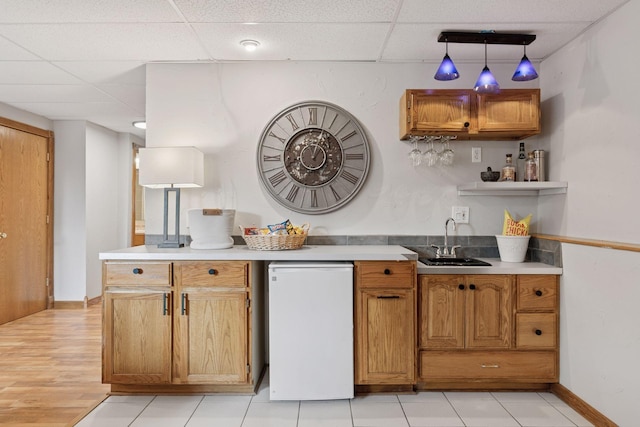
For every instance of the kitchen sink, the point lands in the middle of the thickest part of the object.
(454, 262)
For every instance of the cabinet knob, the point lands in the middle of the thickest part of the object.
(137, 270)
(472, 287)
(539, 292)
(461, 287)
(212, 271)
(538, 332)
(387, 271)
(466, 124)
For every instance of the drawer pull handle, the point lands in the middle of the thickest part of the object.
(539, 293)
(212, 271)
(490, 366)
(137, 270)
(538, 332)
(472, 287)
(183, 304)
(388, 296)
(461, 287)
(165, 304)
(387, 271)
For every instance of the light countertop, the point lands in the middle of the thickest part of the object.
(497, 267)
(241, 252)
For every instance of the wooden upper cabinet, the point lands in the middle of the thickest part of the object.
(510, 114)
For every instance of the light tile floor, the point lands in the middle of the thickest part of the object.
(424, 409)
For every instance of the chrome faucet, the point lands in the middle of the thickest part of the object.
(444, 252)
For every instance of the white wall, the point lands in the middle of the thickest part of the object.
(590, 90)
(223, 108)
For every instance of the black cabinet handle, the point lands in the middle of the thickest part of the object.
(538, 332)
(137, 270)
(388, 296)
(539, 292)
(472, 287)
(461, 287)
(212, 271)
(183, 304)
(387, 271)
(466, 124)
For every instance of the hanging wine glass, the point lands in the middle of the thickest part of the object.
(415, 155)
(447, 154)
(430, 156)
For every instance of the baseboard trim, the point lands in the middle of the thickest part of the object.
(75, 305)
(582, 407)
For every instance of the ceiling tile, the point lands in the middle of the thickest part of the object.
(127, 42)
(335, 42)
(295, 11)
(52, 93)
(35, 72)
(124, 72)
(11, 52)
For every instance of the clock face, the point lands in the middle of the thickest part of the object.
(313, 157)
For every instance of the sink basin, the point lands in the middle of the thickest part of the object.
(454, 262)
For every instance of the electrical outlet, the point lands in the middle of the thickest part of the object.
(460, 214)
(476, 155)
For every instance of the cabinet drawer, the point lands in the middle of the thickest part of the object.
(137, 273)
(536, 330)
(537, 366)
(376, 274)
(537, 292)
(213, 273)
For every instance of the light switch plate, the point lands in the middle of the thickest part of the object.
(476, 154)
(460, 214)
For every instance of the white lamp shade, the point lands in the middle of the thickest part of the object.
(162, 167)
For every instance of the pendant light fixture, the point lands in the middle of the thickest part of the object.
(486, 83)
(447, 69)
(525, 70)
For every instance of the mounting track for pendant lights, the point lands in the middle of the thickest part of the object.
(488, 37)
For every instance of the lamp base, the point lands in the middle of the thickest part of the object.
(170, 245)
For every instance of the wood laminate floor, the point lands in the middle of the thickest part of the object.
(50, 367)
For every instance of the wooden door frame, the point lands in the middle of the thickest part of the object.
(48, 135)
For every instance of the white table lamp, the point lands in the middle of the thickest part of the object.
(171, 168)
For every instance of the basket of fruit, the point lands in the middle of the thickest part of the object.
(275, 237)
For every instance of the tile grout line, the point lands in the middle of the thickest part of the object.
(194, 410)
(454, 408)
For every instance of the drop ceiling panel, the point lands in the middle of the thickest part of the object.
(74, 11)
(130, 95)
(516, 11)
(31, 72)
(293, 11)
(127, 42)
(52, 93)
(124, 72)
(335, 42)
(74, 110)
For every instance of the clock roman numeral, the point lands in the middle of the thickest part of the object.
(314, 199)
(277, 178)
(294, 125)
(293, 193)
(313, 116)
(349, 135)
(267, 158)
(335, 193)
(283, 140)
(354, 156)
(349, 177)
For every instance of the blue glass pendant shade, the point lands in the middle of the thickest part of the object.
(486, 82)
(447, 70)
(525, 71)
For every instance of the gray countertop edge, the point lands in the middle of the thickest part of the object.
(241, 252)
(497, 267)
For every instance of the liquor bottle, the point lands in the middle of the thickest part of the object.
(520, 163)
(508, 170)
(530, 169)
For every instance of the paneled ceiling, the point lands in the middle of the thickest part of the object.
(83, 59)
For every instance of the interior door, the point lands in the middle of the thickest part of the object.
(25, 219)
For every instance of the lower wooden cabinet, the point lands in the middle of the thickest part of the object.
(196, 330)
(385, 331)
(479, 331)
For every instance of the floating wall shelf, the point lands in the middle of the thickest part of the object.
(512, 188)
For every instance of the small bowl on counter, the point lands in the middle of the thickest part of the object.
(489, 175)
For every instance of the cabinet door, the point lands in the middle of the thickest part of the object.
(436, 112)
(385, 336)
(509, 111)
(210, 343)
(489, 311)
(442, 311)
(137, 333)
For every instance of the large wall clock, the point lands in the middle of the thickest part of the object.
(313, 157)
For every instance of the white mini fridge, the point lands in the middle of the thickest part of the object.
(311, 330)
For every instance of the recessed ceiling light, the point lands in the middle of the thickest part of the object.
(140, 124)
(249, 45)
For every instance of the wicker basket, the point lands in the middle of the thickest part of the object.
(277, 242)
